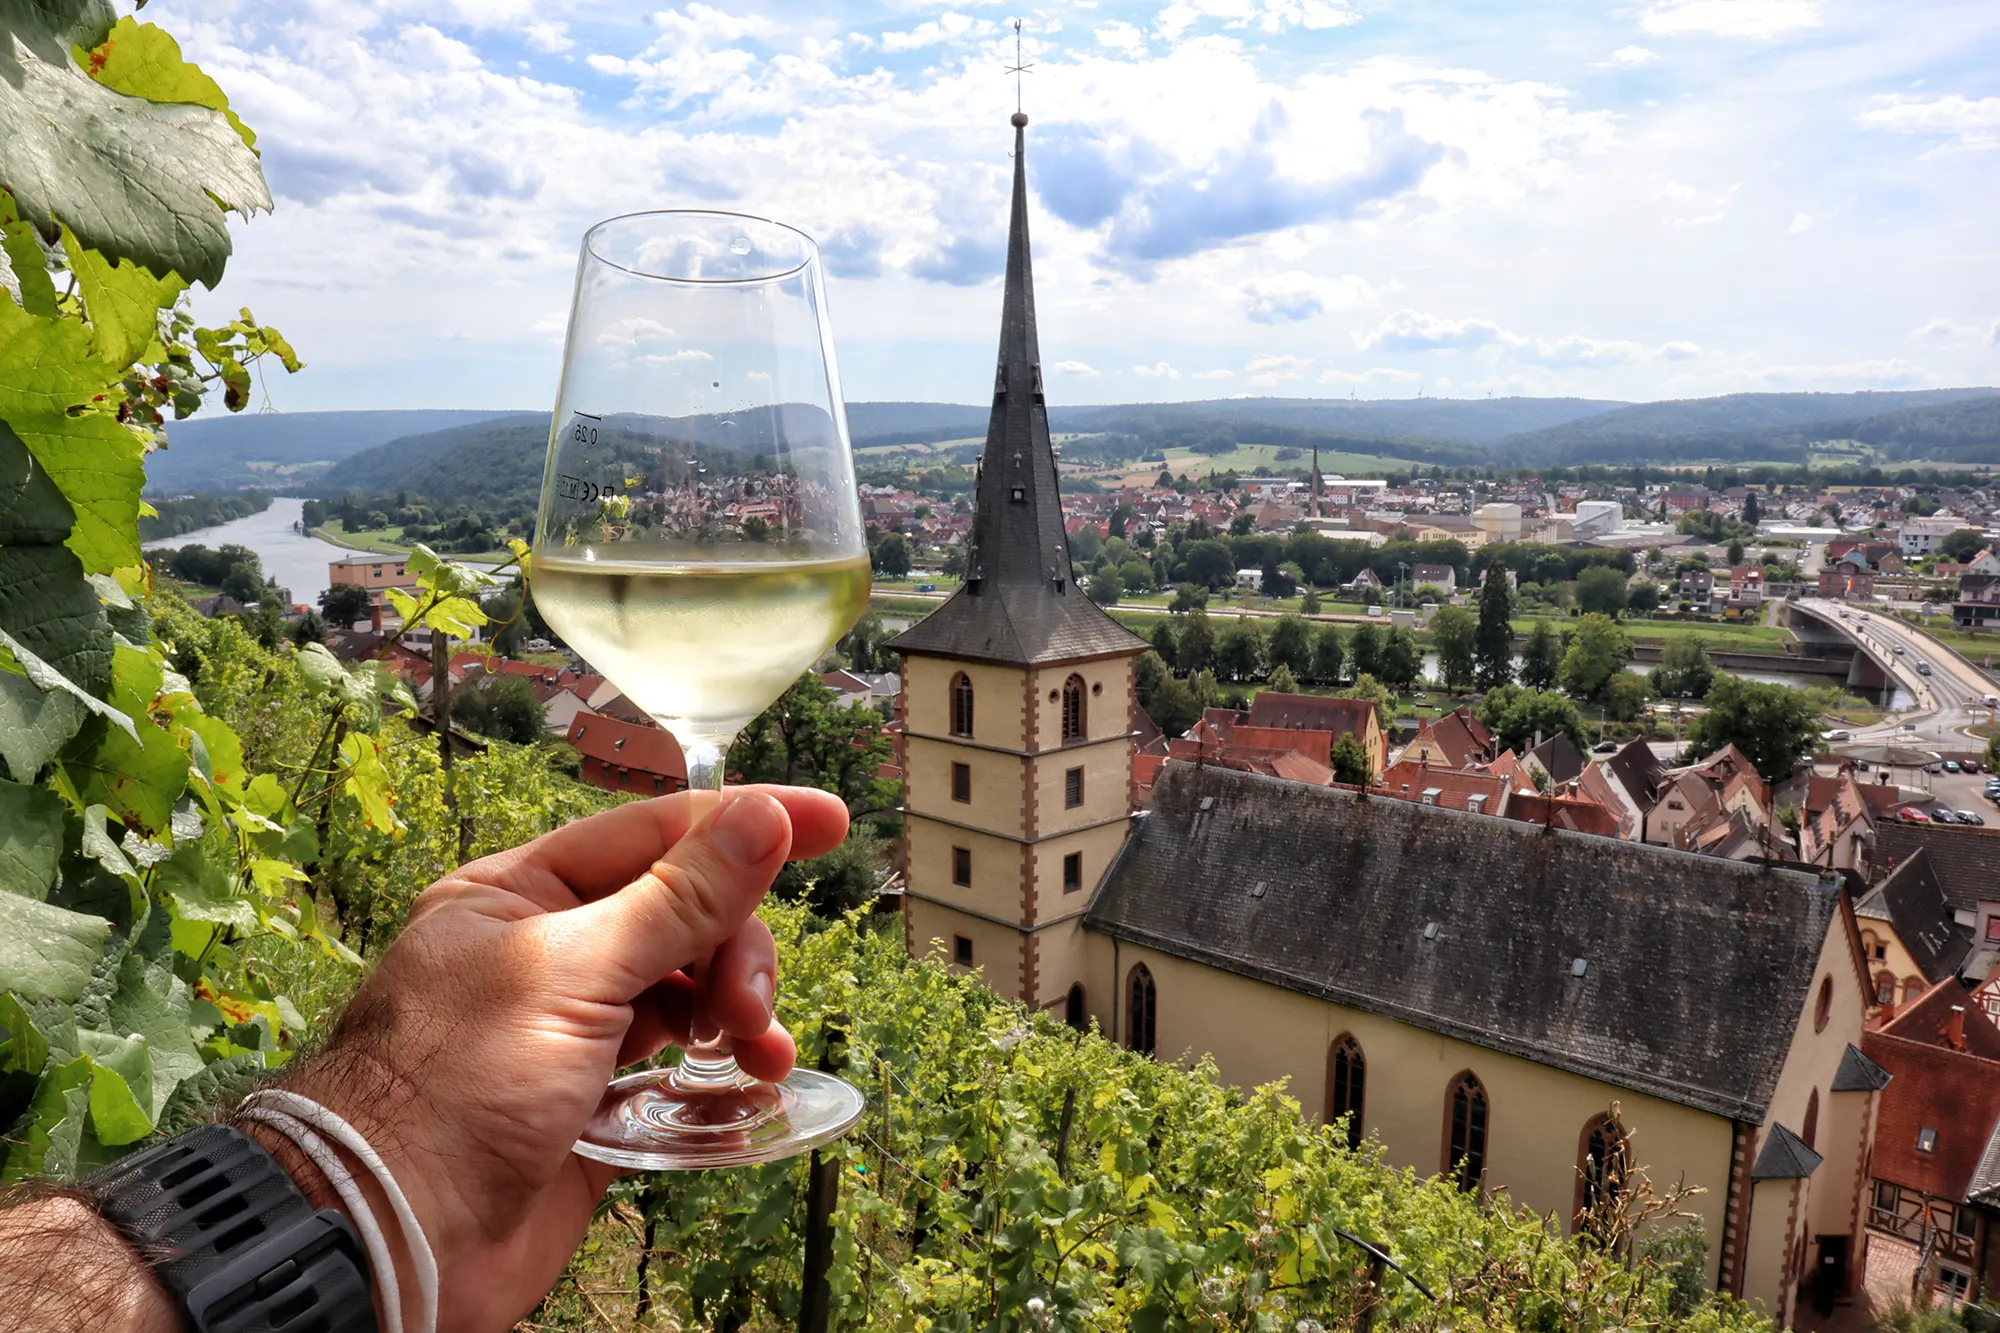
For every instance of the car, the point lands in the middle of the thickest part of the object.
(1605, 747)
(1898, 650)
(1969, 765)
(1913, 815)
(1943, 816)
(1971, 817)
(1951, 766)
(1840, 735)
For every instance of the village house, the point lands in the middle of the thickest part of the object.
(1336, 717)
(1456, 740)
(1909, 938)
(626, 756)
(1495, 1001)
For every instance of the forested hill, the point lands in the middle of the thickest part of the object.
(278, 449)
(1937, 424)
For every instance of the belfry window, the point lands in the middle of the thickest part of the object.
(1465, 1132)
(1073, 697)
(961, 705)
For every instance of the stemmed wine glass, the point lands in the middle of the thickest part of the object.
(700, 543)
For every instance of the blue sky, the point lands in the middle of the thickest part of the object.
(1668, 198)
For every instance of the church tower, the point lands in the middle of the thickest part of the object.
(1018, 706)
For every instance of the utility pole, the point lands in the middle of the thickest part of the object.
(1402, 572)
(1315, 491)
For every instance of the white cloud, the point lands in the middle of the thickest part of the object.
(1800, 222)
(1269, 369)
(1298, 295)
(1159, 370)
(1077, 368)
(1263, 15)
(1631, 57)
(1953, 333)
(1757, 20)
(947, 27)
(547, 36)
(1574, 350)
(1214, 375)
(1372, 375)
(1414, 331)
(1121, 36)
(1970, 123)
(1678, 351)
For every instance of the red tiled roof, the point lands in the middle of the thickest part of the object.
(1570, 812)
(1956, 1093)
(1310, 712)
(1313, 744)
(1408, 781)
(625, 745)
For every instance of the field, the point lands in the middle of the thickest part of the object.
(1245, 458)
(389, 541)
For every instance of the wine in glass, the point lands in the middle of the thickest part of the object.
(700, 543)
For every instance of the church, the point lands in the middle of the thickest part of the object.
(1509, 1005)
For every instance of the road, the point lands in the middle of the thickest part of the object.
(1948, 700)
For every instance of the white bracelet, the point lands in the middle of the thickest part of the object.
(296, 1117)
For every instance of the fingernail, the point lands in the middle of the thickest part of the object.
(749, 829)
(764, 989)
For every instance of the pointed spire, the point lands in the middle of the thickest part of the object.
(1018, 603)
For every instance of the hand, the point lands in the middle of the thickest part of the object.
(474, 1054)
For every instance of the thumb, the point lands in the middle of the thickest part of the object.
(677, 913)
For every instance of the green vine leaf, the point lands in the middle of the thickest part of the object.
(48, 367)
(24, 264)
(136, 179)
(121, 1087)
(47, 950)
(44, 1141)
(138, 776)
(144, 61)
(152, 1003)
(123, 302)
(202, 891)
(31, 839)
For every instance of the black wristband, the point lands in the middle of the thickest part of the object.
(233, 1239)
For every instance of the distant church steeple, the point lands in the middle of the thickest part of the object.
(1019, 603)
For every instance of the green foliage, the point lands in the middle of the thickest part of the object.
(1493, 645)
(1194, 644)
(1625, 697)
(1173, 1202)
(1240, 654)
(1291, 645)
(1350, 761)
(1601, 590)
(1368, 688)
(1960, 546)
(1329, 662)
(1684, 670)
(1773, 726)
(1642, 596)
(812, 737)
(1993, 753)
(1517, 714)
(1106, 587)
(891, 556)
(1598, 652)
(1364, 650)
(1456, 636)
(1282, 679)
(1399, 662)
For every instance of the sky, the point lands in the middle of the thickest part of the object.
(1306, 198)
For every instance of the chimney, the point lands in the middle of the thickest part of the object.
(375, 617)
(1957, 1030)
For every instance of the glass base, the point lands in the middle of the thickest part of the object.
(647, 1123)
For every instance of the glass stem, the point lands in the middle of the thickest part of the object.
(705, 1066)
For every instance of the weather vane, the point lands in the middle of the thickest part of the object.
(1018, 68)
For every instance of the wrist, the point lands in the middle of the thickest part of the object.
(64, 1268)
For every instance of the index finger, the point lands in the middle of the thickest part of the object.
(602, 854)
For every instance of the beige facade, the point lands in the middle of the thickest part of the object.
(1894, 977)
(1006, 871)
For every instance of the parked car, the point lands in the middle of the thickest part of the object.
(1971, 817)
(1951, 766)
(1943, 816)
(1605, 747)
(1913, 815)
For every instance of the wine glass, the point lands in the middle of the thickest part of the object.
(700, 543)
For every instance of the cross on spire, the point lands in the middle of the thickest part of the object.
(1019, 67)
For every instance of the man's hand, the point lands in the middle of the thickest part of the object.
(473, 1056)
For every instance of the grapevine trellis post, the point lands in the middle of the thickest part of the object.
(822, 1195)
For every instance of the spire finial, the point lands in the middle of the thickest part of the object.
(1017, 69)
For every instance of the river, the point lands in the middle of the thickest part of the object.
(296, 561)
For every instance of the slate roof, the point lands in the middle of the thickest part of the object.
(1857, 1073)
(1965, 860)
(1915, 907)
(1639, 771)
(1351, 882)
(1559, 758)
(1019, 604)
(1784, 1156)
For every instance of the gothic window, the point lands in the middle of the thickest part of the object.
(1823, 1009)
(1465, 1132)
(1346, 1085)
(961, 705)
(1142, 1012)
(1074, 1011)
(1072, 706)
(1809, 1128)
(1885, 988)
(1601, 1173)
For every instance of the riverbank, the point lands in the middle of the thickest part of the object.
(384, 541)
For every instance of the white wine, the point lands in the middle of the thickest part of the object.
(702, 648)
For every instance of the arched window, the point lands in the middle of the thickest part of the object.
(1142, 1012)
(1823, 1008)
(1809, 1127)
(1912, 988)
(1885, 987)
(1465, 1131)
(1346, 1085)
(1072, 705)
(1074, 1012)
(1600, 1174)
(961, 705)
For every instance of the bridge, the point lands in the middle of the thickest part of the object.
(1823, 635)
(1949, 697)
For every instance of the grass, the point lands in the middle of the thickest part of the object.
(388, 541)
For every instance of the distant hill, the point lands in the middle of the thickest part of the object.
(1735, 426)
(1966, 431)
(491, 462)
(1480, 421)
(278, 449)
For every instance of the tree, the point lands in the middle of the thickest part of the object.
(1772, 725)
(1600, 589)
(1365, 650)
(1240, 654)
(1194, 646)
(1329, 656)
(1493, 642)
(1541, 657)
(1734, 554)
(1599, 651)
(1187, 598)
(1136, 575)
(1106, 587)
(1291, 646)
(1282, 680)
(891, 556)
(1209, 563)
(838, 881)
(1625, 697)
(308, 628)
(1960, 546)
(1455, 635)
(1993, 753)
(1163, 642)
(1684, 671)
(811, 737)
(1752, 511)
(862, 645)
(1350, 761)
(344, 604)
(1642, 596)
(1518, 717)
(1400, 661)
(1370, 690)
(1310, 602)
